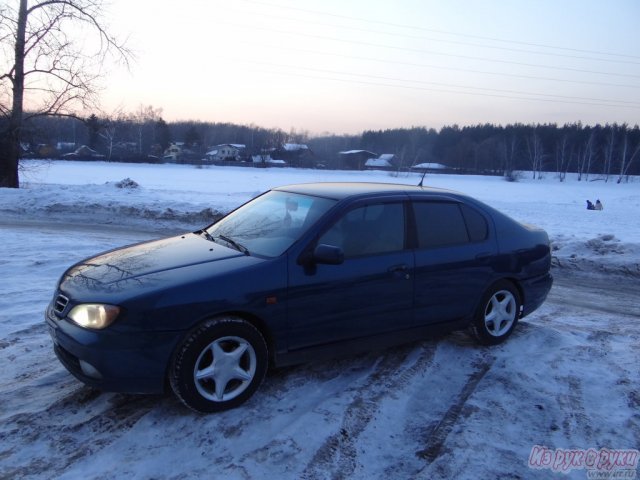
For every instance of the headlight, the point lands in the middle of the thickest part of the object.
(94, 316)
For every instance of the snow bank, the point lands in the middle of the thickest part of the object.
(171, 196)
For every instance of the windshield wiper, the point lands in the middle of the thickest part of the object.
(206, 235)
(234, 244)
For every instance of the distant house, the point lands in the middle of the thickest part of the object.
(265, 160)
(83, 153)
(125, 151)
(295, 147)
(225, 152)
(295, 154)
(65, 147)
(355, 159)
(173, 152)
(211, 156)
(383, 162)
(44, 150)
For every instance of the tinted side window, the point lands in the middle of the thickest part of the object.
(368, 230)
(439, 224)
(476, 224)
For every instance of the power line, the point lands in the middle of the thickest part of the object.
(422, 82)
(466, 57)
(500, 94)
(452, 42)
(432, 30)
(440, 67)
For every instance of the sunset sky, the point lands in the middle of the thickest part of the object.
(343, 66)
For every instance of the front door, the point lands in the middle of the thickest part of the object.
(370, 293)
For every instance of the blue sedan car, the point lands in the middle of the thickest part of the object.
(297, 273)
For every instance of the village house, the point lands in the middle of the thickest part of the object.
(225, 152)
(173, 152)
(355, 159)
(383, 162)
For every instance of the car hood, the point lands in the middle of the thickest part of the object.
(143, 259)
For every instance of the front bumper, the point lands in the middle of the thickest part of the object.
(112, 361)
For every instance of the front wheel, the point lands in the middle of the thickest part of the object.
(497, 314)
(219, 365)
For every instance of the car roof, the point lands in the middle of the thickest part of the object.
(341, 190)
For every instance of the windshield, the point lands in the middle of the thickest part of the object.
(271, 223)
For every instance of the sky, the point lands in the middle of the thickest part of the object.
(344, 66)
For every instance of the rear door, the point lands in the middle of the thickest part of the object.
(454, 255)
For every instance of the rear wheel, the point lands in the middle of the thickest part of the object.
(219, 365)
(497, 314)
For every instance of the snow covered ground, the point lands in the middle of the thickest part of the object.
(441, 408)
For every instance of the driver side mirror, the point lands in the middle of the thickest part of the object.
(328, 255)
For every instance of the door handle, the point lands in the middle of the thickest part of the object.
(400, 270)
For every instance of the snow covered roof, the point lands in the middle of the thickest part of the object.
(386, 156)
(431, 166)
(351, 152)
(294, 147)
(266, 159)
(212, 152)
(83, 150)
(378, 162)
(234, 145)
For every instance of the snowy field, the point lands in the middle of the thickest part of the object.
(440, 408)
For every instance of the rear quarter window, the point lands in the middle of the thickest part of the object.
(476, 223)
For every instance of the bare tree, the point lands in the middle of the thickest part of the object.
(48, 66)
(144, 118)
(563, 158)
(509, 149)
(109, 130)
(609, 149)
(626, 160)
(535, 150)
(586, 157)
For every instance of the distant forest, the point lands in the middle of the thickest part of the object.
(607, 152)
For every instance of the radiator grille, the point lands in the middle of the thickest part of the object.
(60, 304)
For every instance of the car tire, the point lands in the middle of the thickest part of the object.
(219, 365)
(497, 313)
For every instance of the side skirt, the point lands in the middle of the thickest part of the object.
(366, 344)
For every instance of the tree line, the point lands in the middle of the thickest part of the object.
(608, 152)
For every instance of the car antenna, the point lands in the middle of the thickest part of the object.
(422, 179)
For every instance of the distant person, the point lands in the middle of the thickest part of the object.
(599, 205)
(590, 206)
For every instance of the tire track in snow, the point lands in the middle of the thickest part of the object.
(54, 430)
(336, 457)
(437, 435)
(575, 416)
